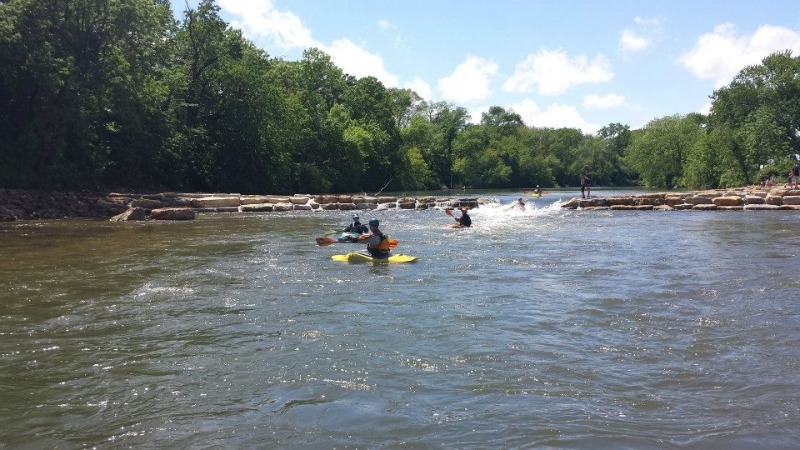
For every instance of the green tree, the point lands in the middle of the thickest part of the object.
(501, 121)
(139, 124)
(535, 164)
(660, 151)
(317, 161)
(482, 160)
(373, 112)
(760, 106)
(616, 138)
(79, 80)
(560, 145)
(255, 130)
(448, 121)
(418, 137)
(709, 163)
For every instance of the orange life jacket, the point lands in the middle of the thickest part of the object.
(382, 246)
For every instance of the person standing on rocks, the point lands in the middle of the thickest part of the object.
(796, 174)
(586, 184)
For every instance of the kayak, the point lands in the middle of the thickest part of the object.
(358, 257)
(348, 237)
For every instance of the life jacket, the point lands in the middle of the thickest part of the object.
(381, 247)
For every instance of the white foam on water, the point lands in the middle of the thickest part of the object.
(495, 215)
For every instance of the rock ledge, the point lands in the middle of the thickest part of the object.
(752, 198)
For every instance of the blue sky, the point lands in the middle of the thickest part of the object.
(557, 63)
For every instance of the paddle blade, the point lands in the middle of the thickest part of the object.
(324, 241)
(393, 243)
(448, 211)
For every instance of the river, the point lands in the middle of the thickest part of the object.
(544, 328)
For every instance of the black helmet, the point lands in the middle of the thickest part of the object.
(355, 217)
(374, 222)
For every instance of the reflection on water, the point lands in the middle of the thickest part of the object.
(576, 329)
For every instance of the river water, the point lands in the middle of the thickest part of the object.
(542, 328)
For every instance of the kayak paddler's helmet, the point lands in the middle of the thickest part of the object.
(355, 218)
(374, 222)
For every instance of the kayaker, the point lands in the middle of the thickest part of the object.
(356, 226)
(465, 220)
(377, 242)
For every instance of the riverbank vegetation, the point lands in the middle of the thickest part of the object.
(117, 94)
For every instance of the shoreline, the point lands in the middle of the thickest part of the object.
(22, 204)
(752, 198)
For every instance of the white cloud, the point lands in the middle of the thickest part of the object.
(554, 72)
(603, 101)
(263, 24)
(630, 41)
(644, 33)
(555, 116)
(476, 113)
(720, 55)
(385, 25)
(422, 88)
(470, 80)
(356, 61)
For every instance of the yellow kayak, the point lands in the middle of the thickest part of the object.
(357, 257)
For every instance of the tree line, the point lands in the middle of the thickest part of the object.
(119, 94)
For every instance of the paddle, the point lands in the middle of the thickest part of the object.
(449, 212)
(325, 241)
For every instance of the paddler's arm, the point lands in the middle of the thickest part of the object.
(369, 239)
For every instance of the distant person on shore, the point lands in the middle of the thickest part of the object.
(789, 178)
(796, 174)
(586, 184)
